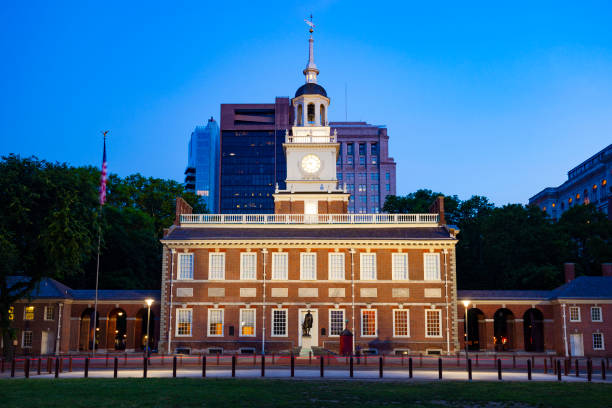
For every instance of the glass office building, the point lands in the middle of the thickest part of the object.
(202, 172)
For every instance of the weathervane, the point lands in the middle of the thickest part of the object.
(310, 24)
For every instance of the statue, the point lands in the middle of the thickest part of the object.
(307, 324)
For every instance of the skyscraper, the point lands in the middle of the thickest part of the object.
(202, 172)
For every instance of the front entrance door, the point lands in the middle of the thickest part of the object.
(314, 331)
(47, 343)
(576, 344)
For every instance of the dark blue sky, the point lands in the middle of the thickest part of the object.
(478, 99)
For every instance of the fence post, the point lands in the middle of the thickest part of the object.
(421, 361)
(144, 367)
(61, 360)
(458, 359)
(57, 366)
(589, 370)
(263, 365)
(439, 368)
(469, 364)
(477, 360)
(322, 365)
(39, 364)
(545, 366)
(70, 364)
(115, 367)
(233, 365)
(499, 373)
(217, 358)
(49, 367)
(603, 370)
(309, 357)
(380, 367)
(529, 370)
(558, 370)
(568, 362)
(125, 358)
(351, 367)
(26, 367)
(86, 372)
(174, 367)
(514, 361)
(13, 363)
(292, 365)
(203, 366)
(410, 367)
(577, 369)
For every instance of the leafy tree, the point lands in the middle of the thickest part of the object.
(419, 202)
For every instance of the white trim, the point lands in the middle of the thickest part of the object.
(329, 321)
(302, 255)
(362, 263)
(437, 263)
(250, 310)
(286, 311)
(285, 272)
(603, 345)
(179, 265)
(243, 276)
(393, 271)
(210, 256)
(375, 322)
(178, 322)
(600, 314)
(23, 333)
(279, 219)
(407, 323)
(439, 311)
(579, 314)
(208, 322)
(52, 313)
(330, 263)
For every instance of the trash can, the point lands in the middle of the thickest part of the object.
(346, 343)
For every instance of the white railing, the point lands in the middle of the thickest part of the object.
(310, 139)
(309, 218)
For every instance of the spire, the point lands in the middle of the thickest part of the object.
(311, 70)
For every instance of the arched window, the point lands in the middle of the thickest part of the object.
(322, 115)
(311, 113)
(300, 115)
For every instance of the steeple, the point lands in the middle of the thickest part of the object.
(311, 70)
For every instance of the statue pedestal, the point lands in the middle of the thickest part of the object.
(306, 346)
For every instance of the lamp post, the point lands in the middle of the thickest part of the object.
(466, 303)
(149, 302)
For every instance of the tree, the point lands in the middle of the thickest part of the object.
(47, 228)
(419, 202)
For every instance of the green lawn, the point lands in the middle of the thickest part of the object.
(185, 392)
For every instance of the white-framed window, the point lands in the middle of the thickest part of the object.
(368, 322)
(280, 266)
(336, 322)
(26, 339)
(28, 313)
(336, 266)
(248, 266)
(308, 266)
(399, 266)
(574, 312)
(184, 319)
(49, 312)
(215, 322)
(367, 266)
(596, 314)
(401, 323)
(433, 323)
(216, 266)
(185, 266)
(247, 322)
(279, 322)
(598, 341)
(431, 263)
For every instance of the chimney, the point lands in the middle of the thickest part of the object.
(606, 269)
(570, 271)
(182, 207)
(437, 207)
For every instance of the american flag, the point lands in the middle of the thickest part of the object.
(103, 176)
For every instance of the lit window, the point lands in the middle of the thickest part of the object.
(433, 323)
(596, 314)
(216, 266)
(574, 313)
(594, 186)
(598, 341)
(248, 266)
(11, 313)
(336, 322)
(279, 322)
(368, 322)
(279, 266)
(247, 322)
(49, 312)
(26, 339)
(543, 208)
(336, 266)
(570, 200)
(215, 322)
(368, 267)
(185, 266)
(362, 188)
(432, 266)
(28, 313)
(603, 183)
(553, 205)
(577, 196)
(401, 323)
(183, 322)
(308, 266)
(399, 266)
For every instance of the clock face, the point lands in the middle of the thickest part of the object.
(311, 163)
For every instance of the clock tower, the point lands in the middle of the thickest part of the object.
(311, 150)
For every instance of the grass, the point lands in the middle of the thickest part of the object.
(185, 393)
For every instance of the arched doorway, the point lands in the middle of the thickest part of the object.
(140, 330)
(533, 329)
(86, 330)
(116, 333)
(476, 336)
(503, 333)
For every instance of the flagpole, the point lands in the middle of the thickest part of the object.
(102, 199)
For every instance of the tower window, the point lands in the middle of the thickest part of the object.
(322, 115)
(300, 115)
(311, 113)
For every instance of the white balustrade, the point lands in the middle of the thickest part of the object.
(309, 218)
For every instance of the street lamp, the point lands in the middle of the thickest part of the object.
(149, 302)
(466, 303)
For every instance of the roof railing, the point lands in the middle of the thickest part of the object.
(309, 218)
